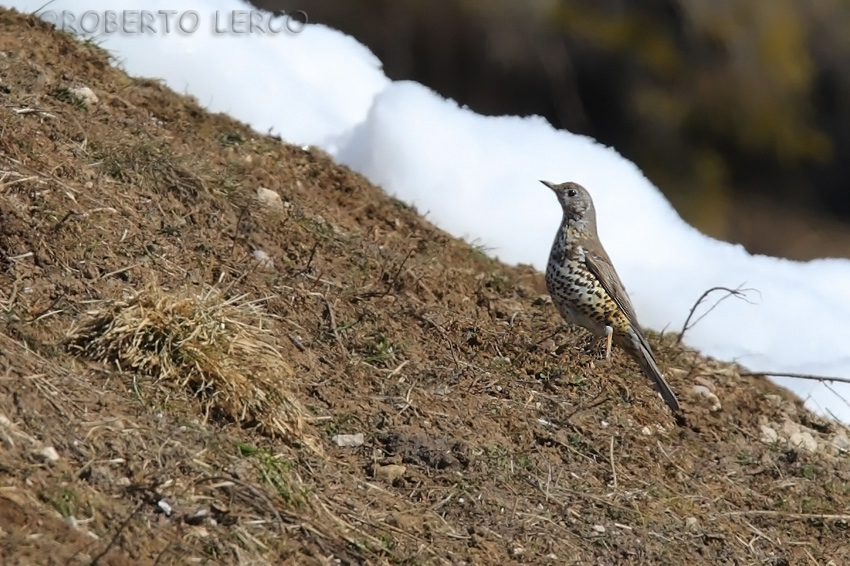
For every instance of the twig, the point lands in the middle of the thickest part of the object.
(161, 554)
(837, 394)
(559, 329)
(331, 321)
(4, 183)
(22, 256)
(119, 271)
(43, 6)
(611, 457)
(398, 369)
(254, 491)
(297, 342)
(598, 400)
(309, 259)
(797, 375)
(44, 312)
(802, 516)
(243, 210)
(738, 293)
(392, 281)
(96, 560)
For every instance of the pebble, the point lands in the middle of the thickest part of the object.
(841, 442)
(704, 391)
(48, 454)
(348, 440)
(270, 199)
(804, 441)
(165, 507)
(769, 435)
(85, 94)
(263, 259)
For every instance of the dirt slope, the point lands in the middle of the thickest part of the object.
(169, 395)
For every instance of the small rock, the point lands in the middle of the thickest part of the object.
(599, 529)
(774, 400)
(390, 473)
(517, 551)
(841, 442)
(803, 441)
(86, 95)
(646, 431)
(691, 523)
(703, 391)
(47, 454)
(699, 380)
(270, 199)
(263, 259)
(769, 435)
(165, 507)
(790, 428)
(348, 440)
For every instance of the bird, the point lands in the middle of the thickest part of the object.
(587, 291)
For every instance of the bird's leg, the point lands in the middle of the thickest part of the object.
(609, 337)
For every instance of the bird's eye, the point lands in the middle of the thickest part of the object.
(571, 193)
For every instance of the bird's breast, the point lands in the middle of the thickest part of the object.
(580, 297)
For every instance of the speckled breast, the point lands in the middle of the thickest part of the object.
(579, 297)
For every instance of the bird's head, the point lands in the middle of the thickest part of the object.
(575, 201)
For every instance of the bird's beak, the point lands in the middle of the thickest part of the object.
(548, 184)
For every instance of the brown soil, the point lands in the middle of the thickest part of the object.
(192, 393)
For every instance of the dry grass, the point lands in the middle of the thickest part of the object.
(221, 350)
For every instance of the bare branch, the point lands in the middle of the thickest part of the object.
(799, 376)
(737, 293)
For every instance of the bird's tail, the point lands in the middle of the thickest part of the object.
(646, 360)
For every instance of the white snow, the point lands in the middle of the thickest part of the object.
(477, 177)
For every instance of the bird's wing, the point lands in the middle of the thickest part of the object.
(599, 264)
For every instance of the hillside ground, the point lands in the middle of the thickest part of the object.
(188, 364)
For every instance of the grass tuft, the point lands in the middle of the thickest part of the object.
(218, 349)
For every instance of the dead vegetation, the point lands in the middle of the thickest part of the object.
(221, 350)
(179, 360)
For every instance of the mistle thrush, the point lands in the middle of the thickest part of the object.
(586, 289)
